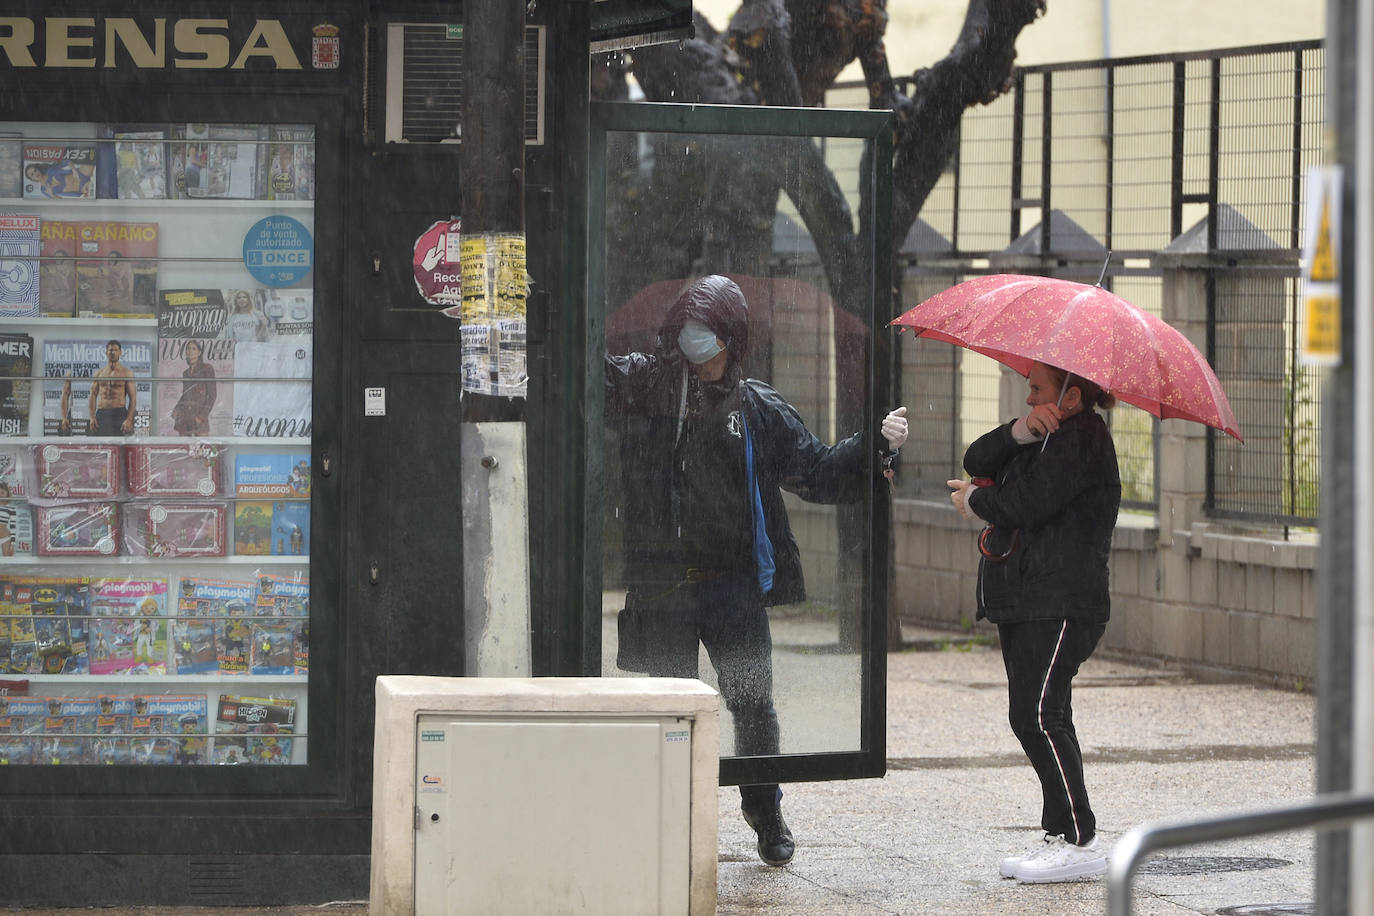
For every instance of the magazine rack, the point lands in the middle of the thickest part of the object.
(156, 343)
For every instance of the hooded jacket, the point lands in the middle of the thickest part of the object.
(644, 398)
(1062, 505)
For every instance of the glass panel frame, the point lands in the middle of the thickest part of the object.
(874, 129)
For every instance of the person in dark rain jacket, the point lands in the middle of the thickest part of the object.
(1049, 488)
(705, 454)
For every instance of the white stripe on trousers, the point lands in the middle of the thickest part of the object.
(1040, 720)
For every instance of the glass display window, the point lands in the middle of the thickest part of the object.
(156, 374)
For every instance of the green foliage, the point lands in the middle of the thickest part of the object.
(1302, 467)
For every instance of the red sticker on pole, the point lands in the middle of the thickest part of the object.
(437, 273)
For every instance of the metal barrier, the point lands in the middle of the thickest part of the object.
(1326, 811)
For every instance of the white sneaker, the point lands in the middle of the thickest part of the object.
(1008, 867)
(1061, 860)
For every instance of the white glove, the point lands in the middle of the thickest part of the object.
(894, 428)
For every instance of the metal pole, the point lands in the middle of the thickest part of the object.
(1362, 688)
(1337, 594)
(493, 457)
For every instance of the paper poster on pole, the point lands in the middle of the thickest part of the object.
(494, 289)
(1321, 268)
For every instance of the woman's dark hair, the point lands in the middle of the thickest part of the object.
(1091, 393)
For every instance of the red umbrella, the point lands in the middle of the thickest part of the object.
(1086, 330)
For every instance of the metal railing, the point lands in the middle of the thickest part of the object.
(1326, 812)
(1200, 153)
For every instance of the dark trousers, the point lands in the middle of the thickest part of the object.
(1041, 658)
(726, 615)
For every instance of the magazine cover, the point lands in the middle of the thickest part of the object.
(198, 313)
(67, 720)
(291, 528)
(198, 405)
(16, 368)
(113, 720)
(16, 521)
(254, 730)
(16, 532)
(302, 647)
(231, 642)
(19, 716)
(170, 730)
(110, 374)
(142, 166)
(175, 530)
(273, 409)
(221, 161)
(273, 648)
(14, 462)
(203, 605)
(77, 471)
(21, 245)
(252, 528)
(288, 596)
(57, 269)
(278, 528)
(289, 312)
(11, 164)
(245, 317)
(23, 653)
(174, 470)
(116, 269)
(283, 595)
(272, 475)
(52, 638)
(78, 529)
(57, 608)
(59, 171)
(128, 626)
(291, 165)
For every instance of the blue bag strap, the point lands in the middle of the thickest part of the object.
(763, 546)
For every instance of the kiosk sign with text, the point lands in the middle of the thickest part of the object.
(278, 251)
(437, 273)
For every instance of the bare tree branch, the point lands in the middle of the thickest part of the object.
(789, 52)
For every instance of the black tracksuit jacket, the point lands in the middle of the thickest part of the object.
(1063, 504)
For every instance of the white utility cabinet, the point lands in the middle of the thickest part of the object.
(506, 796)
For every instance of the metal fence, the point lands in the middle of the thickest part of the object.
(1194, 159)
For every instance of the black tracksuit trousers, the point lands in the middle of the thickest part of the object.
(1041, 658)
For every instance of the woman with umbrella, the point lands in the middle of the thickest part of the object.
(1049, 488)
(1051, 503)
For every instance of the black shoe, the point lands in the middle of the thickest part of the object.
(776, 845)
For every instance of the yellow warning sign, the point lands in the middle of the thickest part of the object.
(1323, 269)
(1321, 330)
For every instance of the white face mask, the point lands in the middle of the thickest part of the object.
(698, 342)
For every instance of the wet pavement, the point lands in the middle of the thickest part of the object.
(958, 795)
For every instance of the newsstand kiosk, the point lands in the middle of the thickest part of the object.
(229, 424)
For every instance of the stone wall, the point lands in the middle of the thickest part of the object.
(1211, 599)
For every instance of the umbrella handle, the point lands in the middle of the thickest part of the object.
(1059, 403)
(997, 557)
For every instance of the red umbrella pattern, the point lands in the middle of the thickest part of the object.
(1086, 330)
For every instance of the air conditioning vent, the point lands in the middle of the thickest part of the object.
(424, 83)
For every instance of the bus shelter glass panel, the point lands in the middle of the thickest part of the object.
(156, 347)
(728, 447)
